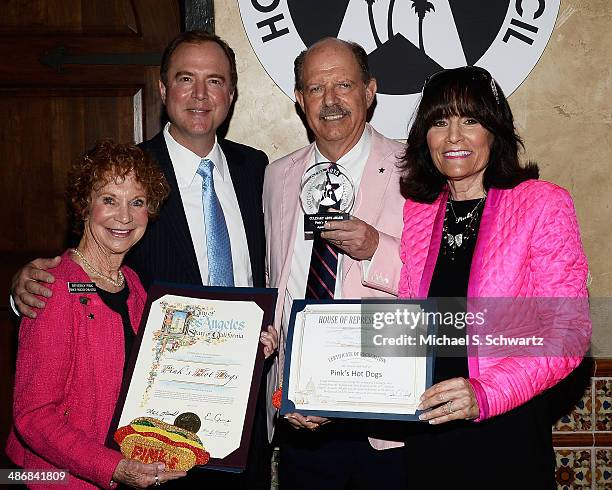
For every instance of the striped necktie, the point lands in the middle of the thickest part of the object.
(219, 251)
(321, 281)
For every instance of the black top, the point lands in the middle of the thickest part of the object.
(118, 303)
(466, 454)
(452, 272)
(450, 281)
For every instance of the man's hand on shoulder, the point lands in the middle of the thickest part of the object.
(354, 237)
(28, 286)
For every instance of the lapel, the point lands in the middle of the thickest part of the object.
(174, 221)
(291, 210)
(249, 202)
(484, 234)
(373, 186)
(135, 299)
(437, 208)
(474, 282)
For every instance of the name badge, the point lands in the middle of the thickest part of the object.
(82, 287)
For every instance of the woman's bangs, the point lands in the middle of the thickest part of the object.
(456, 99)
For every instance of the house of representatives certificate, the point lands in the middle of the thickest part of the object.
(334, 369)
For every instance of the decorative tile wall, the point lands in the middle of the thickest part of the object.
(603, 469)
(581, 418)
(603, 404)
(583, 436)
(574, 468)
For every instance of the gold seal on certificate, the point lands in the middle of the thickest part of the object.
(325, 186)
(337, 366)
(188, 421)
(199, 366)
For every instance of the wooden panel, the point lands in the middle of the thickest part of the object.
(40, 137)
(49, 117)
(46, 62)
(77, 16)
(151, 105)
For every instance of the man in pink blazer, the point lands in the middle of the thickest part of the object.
(335, 91)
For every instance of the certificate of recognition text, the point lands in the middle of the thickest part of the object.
(331, 373)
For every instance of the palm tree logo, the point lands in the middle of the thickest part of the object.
(372, 24)
(421, 8)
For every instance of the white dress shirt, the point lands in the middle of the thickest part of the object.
(354, 162)
(186, 163)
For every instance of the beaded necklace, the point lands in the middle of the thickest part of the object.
(117, 283)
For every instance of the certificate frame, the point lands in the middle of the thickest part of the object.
(264, 298)
(288, 405)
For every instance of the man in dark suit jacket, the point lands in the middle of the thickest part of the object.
(197, 86)
(167, 252)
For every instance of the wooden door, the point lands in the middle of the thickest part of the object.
(72, 72)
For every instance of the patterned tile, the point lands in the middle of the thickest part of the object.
(581, 417)
(573, 469)
(603, 404)
(603, 468)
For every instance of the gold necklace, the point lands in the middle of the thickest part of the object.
(118, 283)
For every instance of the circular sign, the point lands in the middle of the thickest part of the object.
(406, 41)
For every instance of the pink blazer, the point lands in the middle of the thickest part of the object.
(378, 203)
(69, 372)
(528, 245)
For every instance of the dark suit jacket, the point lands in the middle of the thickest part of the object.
(166, 251)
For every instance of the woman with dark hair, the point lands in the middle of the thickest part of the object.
(478, 224)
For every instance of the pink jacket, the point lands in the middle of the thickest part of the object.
(378, 202)
(528, 245)
(68, 377)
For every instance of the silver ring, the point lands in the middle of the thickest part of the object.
(157, 484)
(449, 407)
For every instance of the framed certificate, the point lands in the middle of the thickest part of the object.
(353, 359)
(197, 364)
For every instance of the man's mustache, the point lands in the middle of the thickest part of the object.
(333, 110)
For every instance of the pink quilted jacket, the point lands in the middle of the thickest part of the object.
(67, 382)
(528, 246)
